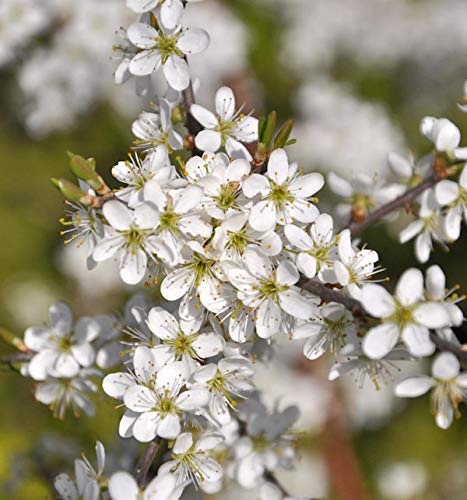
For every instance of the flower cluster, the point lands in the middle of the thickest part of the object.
(213, 210)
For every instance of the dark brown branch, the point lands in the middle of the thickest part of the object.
(357, 228)
(145, 462)
(332, 295)
(188, 100)
(12, 359)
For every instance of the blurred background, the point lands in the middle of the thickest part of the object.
(357, 76)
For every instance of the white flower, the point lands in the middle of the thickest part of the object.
(405, 316)
(88, 479)
(227, 128)
(171, 11)
(362, 194)
(83, 227)
(331, 330)
(407, 170)
(269, 292)
(166, 48)
(448, 384)
(191, 460)
(444, 135)
(231, 378)
(355, 267)
(136, 173)
(463, 104)
(61, 349)
(428, 226)
(353, 360)
(268, 445)
(454, 196)
(63, 393)
(221, 182)
(316, 249)
(154, 130)
(123, 486)
(180, 218)
(131, 235)
(285, 194)
(199, 273)
(160, 402)
(180, 342)
(234, 234)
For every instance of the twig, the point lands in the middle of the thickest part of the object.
(145, 462)
(270, 477)
(191, 123)
(12, 359)
(332, 295)
(357, 228)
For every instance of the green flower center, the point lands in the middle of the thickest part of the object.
(279, 194)
(227, 197)
(238, 241)
(167, 46)
(165, 406)
(270, 288)
(168, 222)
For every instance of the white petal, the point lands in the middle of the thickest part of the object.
(410, 231)
(145, 365)
(257, 262)
(193, 41)
(146, 426)
(417, 340)
(377, 301)
(145, 63)
(444, 419)
(208, 140)
(432, 315)
(207, 345)
(225, 103)
(116, 384)
(146, 216)
(446, 192)
(380, 340)
(193, 399)
(139, 399)
(66, 487)
(122, 486)
(125, 428)
(435, 282)
(177, 72)
(339, 185)
(133, 266)
(142, 35)
(414, 386)
(66, 365)
(298, 237)
(183, 443)
(237, 170)
(278, 166)
(177, 284)
(83, 353)
(171, 13)
(446, 135)
(409, 289)
(268, 319)
(423, 247)
(286, 273)
(445, 366)
(256, 184)
(452, 224)
(263, 216)
(307, 185)
(205, 117)
(169, 427)
(307, 265)
(107, 247)
(189, 199)
(162, 323)
(297, 305)
(400, 166)
(118, 215)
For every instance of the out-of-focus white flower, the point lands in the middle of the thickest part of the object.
(444, 135)
(123, 486)
(449, 388)
(402, 480)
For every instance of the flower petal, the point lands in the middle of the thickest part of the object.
(380, 340)
(413, 387)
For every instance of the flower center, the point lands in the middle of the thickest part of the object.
(168, 222)
(447, 394)
(227, 196)
(270, 287)
(238, 241)
(279, 194)
(165, 406)
(167, 46)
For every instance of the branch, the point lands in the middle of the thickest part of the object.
(357, 228)
(12, 359)
(332, 295)
(146, 460)
(191, 123)
(271, 478)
